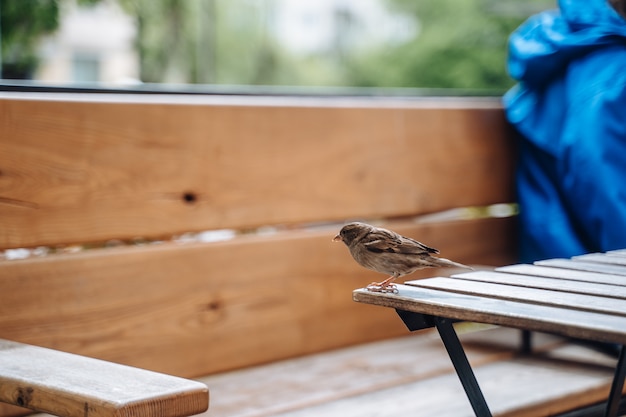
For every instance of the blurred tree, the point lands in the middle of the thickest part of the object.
(206, 41)
(23, 23)
(459, 44)
(161, 35)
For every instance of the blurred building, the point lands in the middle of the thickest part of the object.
(97, 43)
(93, 44)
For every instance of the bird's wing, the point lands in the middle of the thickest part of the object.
(408, 242)
(386, 241)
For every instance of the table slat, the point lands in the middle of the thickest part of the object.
(573, 323)
(601, 258)
(567, 274)
(579, 265)
(522, 294)
(515, 280)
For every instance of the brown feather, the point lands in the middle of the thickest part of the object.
(388, 252)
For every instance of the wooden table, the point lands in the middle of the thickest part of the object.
(583, 297)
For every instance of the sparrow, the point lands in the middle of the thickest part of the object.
(388, 252)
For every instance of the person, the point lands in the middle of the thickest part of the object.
(569, 112)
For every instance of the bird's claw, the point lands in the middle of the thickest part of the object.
(378, 287)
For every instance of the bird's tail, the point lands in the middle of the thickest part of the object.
(446, 263)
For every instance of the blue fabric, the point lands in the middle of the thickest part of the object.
(569, 109)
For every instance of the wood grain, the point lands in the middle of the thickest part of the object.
(516, 388)
(195, 309)
(510, 281)
(555, 298)
(602, 258)
(9, 410)
(567, 274)
(96, 167)
(330, 378)
(76, 386)
(412, 375)
(579, 265)
(522, 315)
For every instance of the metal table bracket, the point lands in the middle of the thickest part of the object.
(617, 386)
(416, 321)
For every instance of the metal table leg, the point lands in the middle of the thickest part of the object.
(462, 366)
(526, 342)
(416, 321)
(617, 386)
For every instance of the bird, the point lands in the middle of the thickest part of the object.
(388, 252)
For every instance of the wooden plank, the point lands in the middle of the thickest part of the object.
(602, 258)
(522, 387)
(315, 380)
(554, 298)
(577, 287)
(569, 274)
(90, 168)
(9, 410)
(76, 386)
(583, 266)
(617, 252)
(195, 309)
(585, 325)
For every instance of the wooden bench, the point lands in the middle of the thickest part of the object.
(190, 235)
(76, 386)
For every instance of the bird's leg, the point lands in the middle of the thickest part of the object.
(387, 282)
(384, 286)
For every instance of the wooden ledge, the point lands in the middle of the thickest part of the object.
(70, 385)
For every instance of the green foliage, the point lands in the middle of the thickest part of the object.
(207, 41)
(23, 23)
(459, 44)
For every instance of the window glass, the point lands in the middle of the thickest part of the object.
(428, 44)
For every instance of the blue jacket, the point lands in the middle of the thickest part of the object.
(569, 109)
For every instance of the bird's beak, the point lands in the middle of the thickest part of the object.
(337, 238)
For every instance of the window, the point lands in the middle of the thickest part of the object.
(233, 44)
(85, 67)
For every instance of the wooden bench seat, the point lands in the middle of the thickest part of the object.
(385, 379)
(76, 386)
(118, 200)
(412, 376)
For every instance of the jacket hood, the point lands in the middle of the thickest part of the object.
(544, 45)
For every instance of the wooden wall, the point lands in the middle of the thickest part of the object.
(78, 169)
